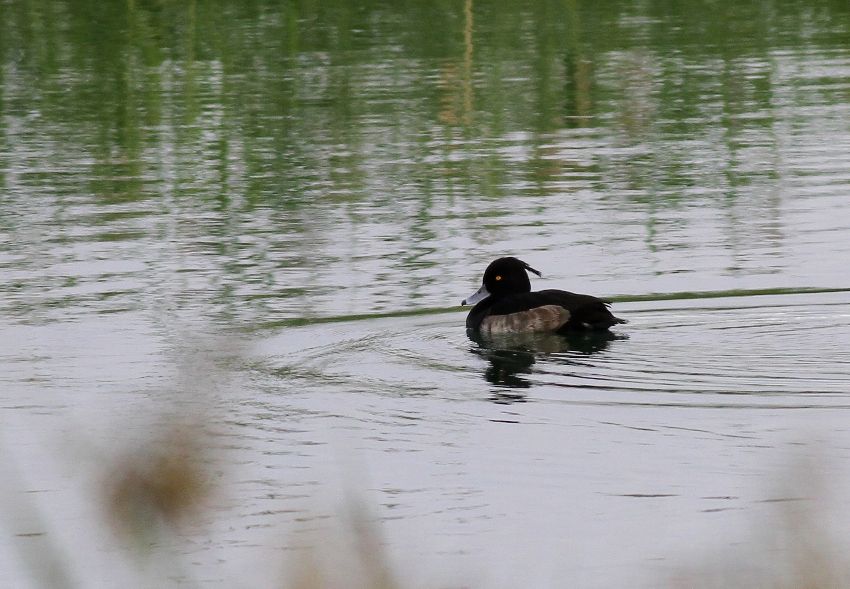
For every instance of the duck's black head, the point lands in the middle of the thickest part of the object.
(504, 276)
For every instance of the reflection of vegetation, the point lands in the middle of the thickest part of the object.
(280, 92)
(311, 124)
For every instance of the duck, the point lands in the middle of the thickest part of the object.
(506, 304)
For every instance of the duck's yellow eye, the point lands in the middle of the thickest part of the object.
(498, 277)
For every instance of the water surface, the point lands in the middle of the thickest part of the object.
(265, 215)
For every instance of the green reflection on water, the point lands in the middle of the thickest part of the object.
(272, 98)
(411, 133)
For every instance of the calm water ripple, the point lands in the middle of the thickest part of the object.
(718, 355)
(261, 215)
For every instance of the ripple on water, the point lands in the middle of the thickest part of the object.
(784, 351)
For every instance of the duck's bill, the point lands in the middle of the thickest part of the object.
(481, 294)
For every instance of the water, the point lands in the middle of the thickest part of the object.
(265, 216)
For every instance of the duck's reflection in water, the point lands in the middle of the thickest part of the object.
(511, 357)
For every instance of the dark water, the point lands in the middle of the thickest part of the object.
(266, 214)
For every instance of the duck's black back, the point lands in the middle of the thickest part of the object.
(586, 311)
